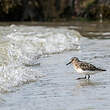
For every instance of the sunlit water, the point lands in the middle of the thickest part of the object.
(33, 71)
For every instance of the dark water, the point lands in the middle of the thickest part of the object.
(59, 89)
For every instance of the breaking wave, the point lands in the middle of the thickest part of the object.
(21, 46)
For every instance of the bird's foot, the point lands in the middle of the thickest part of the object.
(81, 78)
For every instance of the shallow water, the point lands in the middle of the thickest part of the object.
(33, 71)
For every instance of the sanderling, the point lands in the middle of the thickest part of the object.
(84, 68)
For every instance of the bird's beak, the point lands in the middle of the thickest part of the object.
(69, 63)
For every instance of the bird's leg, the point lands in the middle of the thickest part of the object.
(88, 76)
(85, 77)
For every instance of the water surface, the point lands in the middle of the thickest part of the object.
(33, 67)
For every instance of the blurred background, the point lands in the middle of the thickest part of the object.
(53, 10)
(37, 40)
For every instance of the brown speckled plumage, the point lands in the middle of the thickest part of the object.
(84, 67)
(87, 66)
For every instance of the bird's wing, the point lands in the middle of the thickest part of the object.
(87, 66)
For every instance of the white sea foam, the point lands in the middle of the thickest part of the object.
(23, 47)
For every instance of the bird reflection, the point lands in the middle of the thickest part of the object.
(87, 82)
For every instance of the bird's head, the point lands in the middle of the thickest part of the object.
(72, 60)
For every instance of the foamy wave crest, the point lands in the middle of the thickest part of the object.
(46, 40)
(13, 72)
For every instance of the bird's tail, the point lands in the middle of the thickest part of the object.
(101, 69)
